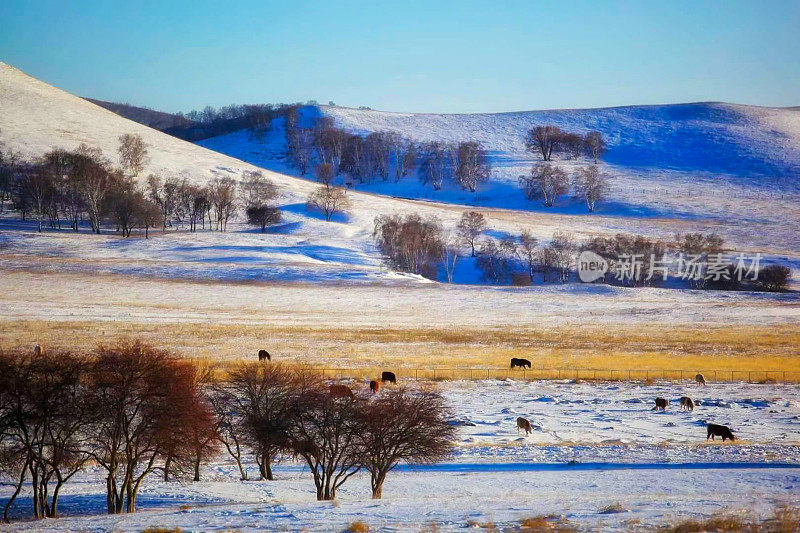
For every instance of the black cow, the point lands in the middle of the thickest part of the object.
(263, 354)
(522, 363)
(715, 430)
(388, 376)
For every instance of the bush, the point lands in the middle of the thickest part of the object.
(520, 279)
(773, 278)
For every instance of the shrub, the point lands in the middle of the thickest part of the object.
(773, 278)
(357, 527)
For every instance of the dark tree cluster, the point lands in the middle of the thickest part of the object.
(135, 411)
(73, 187)
(128, 408)
(383, 155)
(549, 140)
(410, 243)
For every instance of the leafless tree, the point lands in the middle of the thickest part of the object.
(559, 255)
(410, 243)
(325, 173)
(595, 145)
(377, 151)
(255, 190)
(546, 181)
(450, 253)
(301, 144)
(267, 398)
(222, 197)
(528, 252)
(44, 421)
(132, 153)
(95, 180)
(470, 226)
(497, 260)
(144, 397)
(590, 185)
(326, 435)
(436, 164)
(404, 425)
(544, 139)
(38, 187)
(329, 200)
(472, 167)
(404, 154)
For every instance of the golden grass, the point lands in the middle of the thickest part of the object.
(549, 523)
(358, 527)
(632, 352)
(783, 520)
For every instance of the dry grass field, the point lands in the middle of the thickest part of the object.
(363, 329)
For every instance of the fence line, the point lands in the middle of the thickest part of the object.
(616, 374)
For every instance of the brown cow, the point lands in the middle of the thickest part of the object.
(687, 403)
(341, 391)
(38, 350)
(374, 386)
(700, 379)
(715, 430)
(661, 403)
(388, 376)
(524, 423)
(263, 354)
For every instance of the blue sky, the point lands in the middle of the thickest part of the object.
(459, 56)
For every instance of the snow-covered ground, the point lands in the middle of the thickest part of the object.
(594, 445)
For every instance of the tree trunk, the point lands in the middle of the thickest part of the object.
(197, 468)
(266, 467)
(16, 493)
(377, 484)
(167, 464)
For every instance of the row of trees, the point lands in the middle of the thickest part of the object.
(547, 182)
(423, 246)
(71, 187)
(548, 140)
(386, 155)
(135, 411)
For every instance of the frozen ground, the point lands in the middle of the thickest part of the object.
(657, 466)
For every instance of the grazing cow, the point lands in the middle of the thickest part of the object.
(715, 430)
(524, 423)
(388, 376)
(522, 363)
(374, 386)
(700, 379)
(341, 391)
(661, 403)
(38, 350)
(263, 354)
(687, 403)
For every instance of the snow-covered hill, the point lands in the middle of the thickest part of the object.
(752, 214)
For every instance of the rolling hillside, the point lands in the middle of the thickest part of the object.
(752, 214)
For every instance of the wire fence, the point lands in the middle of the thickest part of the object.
(443, 373)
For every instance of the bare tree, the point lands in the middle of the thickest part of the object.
(95, 180)
(255, 190)
(300, 142)
(497, 260)
(561, 254)
(327, 436)
(44, 420)
(472, 166)
(132, 153)
(329, 200)
(377, 152)
(222, 197)
(470, 226)
(410, 243)
(408, 426)
(595, 145)
(325, 173)
(544, 139)
(143, 396)
(450, 253)
(436, 164)
(528, 252)
(590, 185)
(38, 187)
(545, 181)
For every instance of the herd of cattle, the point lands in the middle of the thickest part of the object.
(712, 430)
(523, 424)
